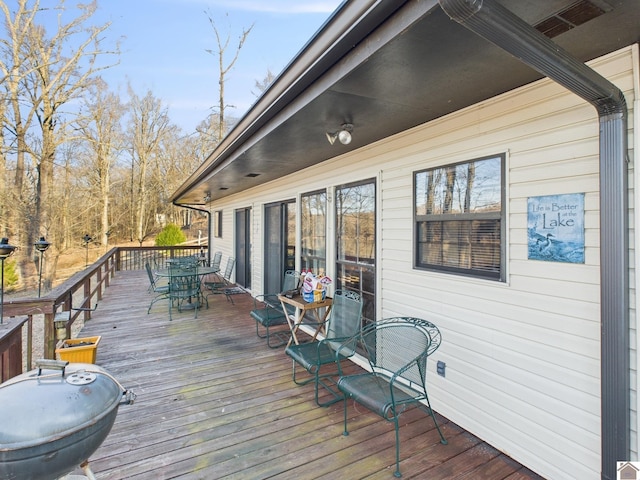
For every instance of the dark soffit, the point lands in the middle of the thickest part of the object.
(404, 68)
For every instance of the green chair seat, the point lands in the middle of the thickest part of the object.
(267, 312)
(311, 356)
(374, 392)
(269, 316)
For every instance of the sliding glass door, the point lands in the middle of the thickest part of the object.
(280, 243)
(243, 247)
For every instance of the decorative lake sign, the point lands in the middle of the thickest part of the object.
(555, 226)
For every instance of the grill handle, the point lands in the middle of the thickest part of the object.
(51, 365)
(128, 397)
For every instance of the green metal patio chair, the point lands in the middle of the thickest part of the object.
(397, 350)
(216, 260)
(184, 286)
(267, 311)
(223, 282)
(186, 261)
(344, 322)
(161, 291)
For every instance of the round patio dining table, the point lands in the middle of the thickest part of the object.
(200, 271)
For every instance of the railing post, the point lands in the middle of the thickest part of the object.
(118, 266)
(107, 272)
(30, 342)
(87, 297)
(99, 283)
(11, 349)
(49, 336)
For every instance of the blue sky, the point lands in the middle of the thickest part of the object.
(164, 43)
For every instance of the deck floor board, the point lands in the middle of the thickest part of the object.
(214, 402)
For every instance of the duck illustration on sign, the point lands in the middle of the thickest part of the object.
(555, 228)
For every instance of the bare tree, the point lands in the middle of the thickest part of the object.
(99, 126)
(60, 75)
(223, 70)
(45, 74)
(149, 123)
(449, 192)
(17, 27)
(262, 85)
(206, 137)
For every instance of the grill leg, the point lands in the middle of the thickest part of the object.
(87, 470)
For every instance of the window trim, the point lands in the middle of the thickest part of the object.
(501, 275)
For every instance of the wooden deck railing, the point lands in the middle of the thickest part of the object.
(75, 299)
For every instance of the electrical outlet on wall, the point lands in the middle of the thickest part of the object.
(441, 366)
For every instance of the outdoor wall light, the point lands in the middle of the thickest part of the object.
(41, 246)
(85, 241)
(207, 197)
(5, 251)
(343, 135)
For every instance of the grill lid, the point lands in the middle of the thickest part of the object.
(54, 401)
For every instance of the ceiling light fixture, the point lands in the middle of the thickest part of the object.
(343, 135)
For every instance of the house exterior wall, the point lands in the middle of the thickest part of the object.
(522, 356)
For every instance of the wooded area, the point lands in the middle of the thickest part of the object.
(77, 159)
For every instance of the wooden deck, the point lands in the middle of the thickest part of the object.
(213, 402)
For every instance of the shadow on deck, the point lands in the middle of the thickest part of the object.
(213, 402)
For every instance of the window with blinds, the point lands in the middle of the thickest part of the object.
(459, 218)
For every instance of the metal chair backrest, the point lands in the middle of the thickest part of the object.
(183, 280)
(399, 347)
(231, 262)
(217, 259)
(185, 261)
(152, 279)
(190, 260)
(345, 317)
(290, 280)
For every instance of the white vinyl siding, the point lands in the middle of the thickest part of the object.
(523, 357)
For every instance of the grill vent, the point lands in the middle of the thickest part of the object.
(574, 15)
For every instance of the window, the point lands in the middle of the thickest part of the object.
(313, 212)
(460, 218)
(217, 227)
(356, 243)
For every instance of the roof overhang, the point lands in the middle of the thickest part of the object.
(385, 67)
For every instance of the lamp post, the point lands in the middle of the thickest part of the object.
(41, 246)
(5, 251)
(85, 240)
